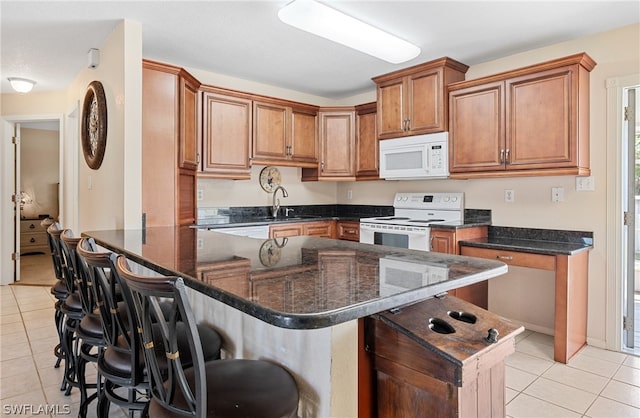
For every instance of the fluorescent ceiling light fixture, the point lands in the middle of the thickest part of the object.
(21, 85)
(321, 20)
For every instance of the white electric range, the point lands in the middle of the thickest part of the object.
(414, 213)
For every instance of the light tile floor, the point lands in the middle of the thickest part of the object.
(596, 383)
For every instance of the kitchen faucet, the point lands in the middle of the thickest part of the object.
(276, 202)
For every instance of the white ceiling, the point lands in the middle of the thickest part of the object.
(48, 41)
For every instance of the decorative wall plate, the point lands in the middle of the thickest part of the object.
(270, 178)
(93, 128)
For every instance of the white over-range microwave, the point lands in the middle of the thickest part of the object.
(415, 157)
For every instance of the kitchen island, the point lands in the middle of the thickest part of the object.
(296, 301)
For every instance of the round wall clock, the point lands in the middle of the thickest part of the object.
(93, 128)
(270, 178)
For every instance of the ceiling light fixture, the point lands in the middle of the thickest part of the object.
(321, 20)
(21, 85)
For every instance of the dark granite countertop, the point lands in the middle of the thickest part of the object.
(299, 282)
(533, 240)
(260, 215)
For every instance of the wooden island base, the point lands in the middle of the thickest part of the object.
(427, 363)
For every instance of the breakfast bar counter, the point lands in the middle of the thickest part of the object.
(298, 301)
(298, 282)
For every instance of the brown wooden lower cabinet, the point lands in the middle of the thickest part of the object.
(423, 369)
(325, 229)
(446, 241)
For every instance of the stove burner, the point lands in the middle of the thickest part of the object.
(426, 221)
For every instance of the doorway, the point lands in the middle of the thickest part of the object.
(39, 188)
(631, 200)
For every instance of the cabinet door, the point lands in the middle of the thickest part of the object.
(304, 137)
(391, 117)
(270, 132)
(538, 120)
(367, 154)
(476, 128)
(443, 241)
(226, 136)
(188, 139)
(337, 137)
(425, 99)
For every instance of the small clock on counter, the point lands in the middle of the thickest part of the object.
(270, 178)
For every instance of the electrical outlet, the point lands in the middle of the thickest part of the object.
(585, 184)
(557, 194)
(349, 194)
(200, 194)
(509, 196)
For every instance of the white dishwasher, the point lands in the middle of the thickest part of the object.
(256, 231)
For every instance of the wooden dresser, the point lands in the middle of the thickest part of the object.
(33, 237)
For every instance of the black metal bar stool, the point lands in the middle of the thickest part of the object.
(58, 290)
(217, 388)
(89, 338)
(122, 363)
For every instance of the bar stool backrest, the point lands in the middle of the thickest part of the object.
(169, 385)
(53, 238)
(69, 245)
(116, 324)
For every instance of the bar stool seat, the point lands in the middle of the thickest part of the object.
(236, 388)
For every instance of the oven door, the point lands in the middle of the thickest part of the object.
(411, 237)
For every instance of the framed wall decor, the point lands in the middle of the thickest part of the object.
(93, 127)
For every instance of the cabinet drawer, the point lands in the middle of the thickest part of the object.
(31, 226)
(349, 231)
(512, 258)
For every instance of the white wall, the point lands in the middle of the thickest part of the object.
(102, 193)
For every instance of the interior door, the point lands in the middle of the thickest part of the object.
(17, 199)
(633, 234)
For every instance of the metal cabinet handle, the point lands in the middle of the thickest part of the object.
(322, 166)
(502, 156)
(32, 240)
(504, 257)
(32, 226)
(506, 160)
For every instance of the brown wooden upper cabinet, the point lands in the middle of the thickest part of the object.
(226, 134)
(169, 144)
(337, 146)
(284, 134)
(530, 121)
(413, 100)
(188, 121)
(367, 150)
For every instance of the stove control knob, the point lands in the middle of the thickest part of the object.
(446, 198)
(454, 199)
